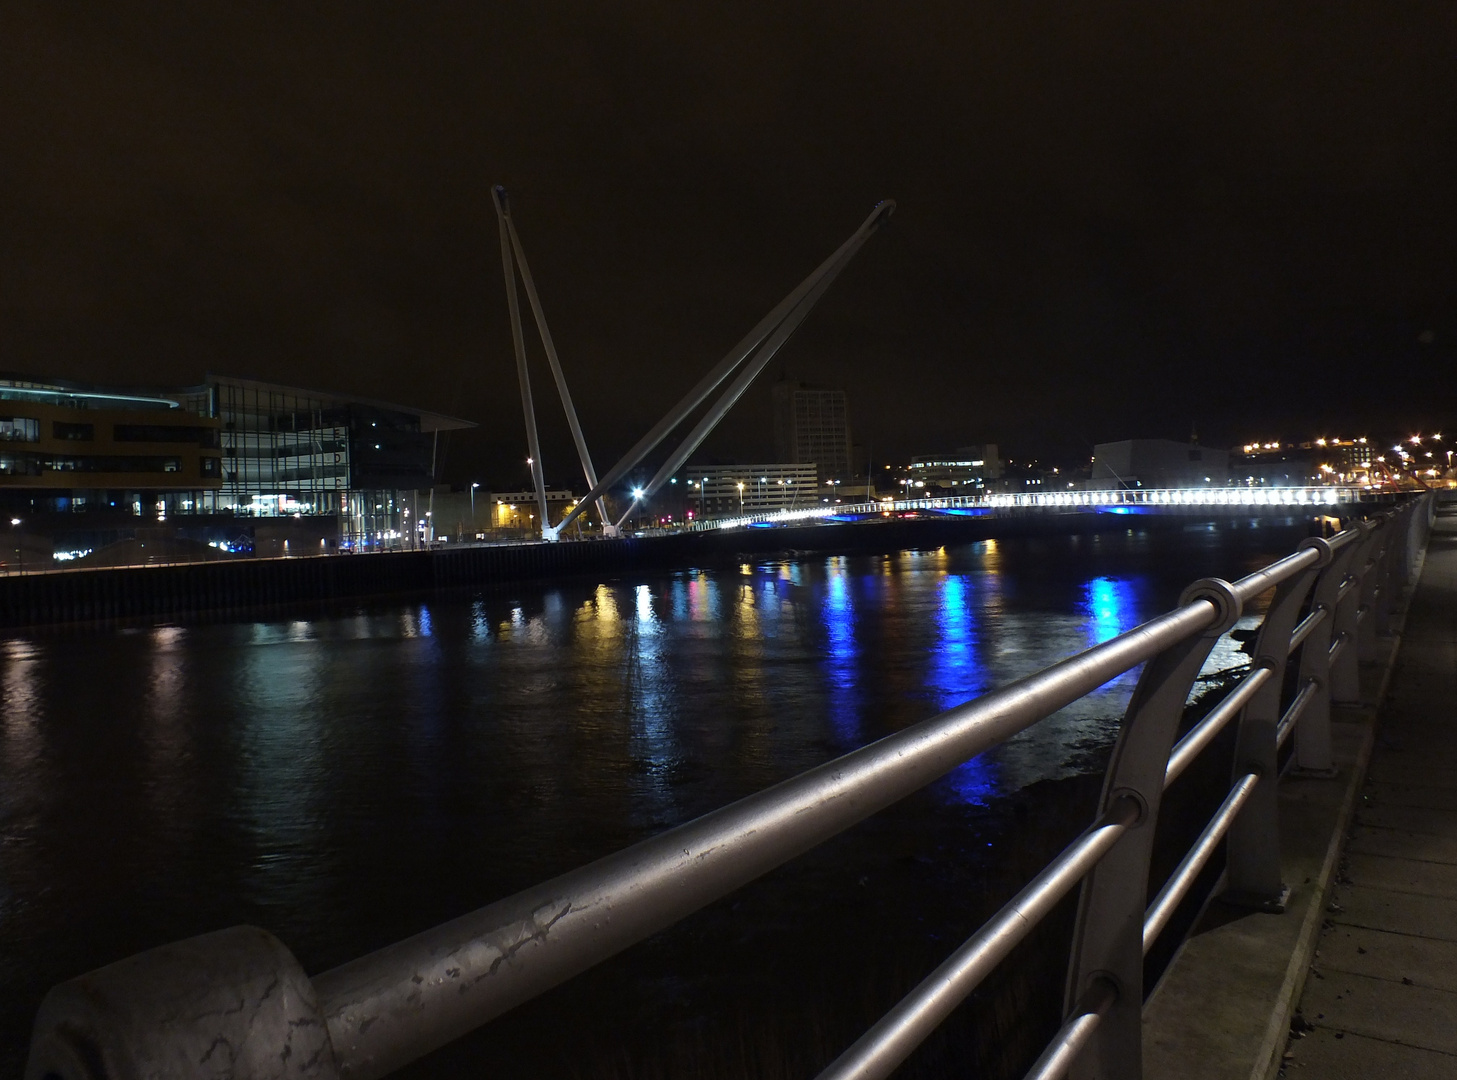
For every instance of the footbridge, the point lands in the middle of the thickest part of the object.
(1127, 501)
(1303, 721)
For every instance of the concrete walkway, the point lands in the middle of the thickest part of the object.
(1381, 997)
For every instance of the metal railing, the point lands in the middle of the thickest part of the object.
(160, 1012)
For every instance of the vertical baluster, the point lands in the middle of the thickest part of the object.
(1313, 733)
(1254, 877)
(1108, 941)
(1344, 667)
(1373, 592)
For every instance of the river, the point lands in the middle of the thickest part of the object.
(351, 777)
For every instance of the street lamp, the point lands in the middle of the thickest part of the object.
(473, 509)
(741, 496)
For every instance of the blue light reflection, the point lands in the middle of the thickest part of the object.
(957, 677)
(1111, 607)
(837, 612)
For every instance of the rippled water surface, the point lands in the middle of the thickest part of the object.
(347, 779)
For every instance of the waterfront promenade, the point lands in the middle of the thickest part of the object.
(1381, 997)
(1358, 977)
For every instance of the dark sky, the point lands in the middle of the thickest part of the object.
(1116, 219)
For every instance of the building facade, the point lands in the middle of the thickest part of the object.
(228, 465)
(717, 491)
(70, 448)
(1158, 463)
(294, 452)
(812, 426)
(965, 471)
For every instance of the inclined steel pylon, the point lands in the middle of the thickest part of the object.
(748, 358)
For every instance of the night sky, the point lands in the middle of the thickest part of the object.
(1115, 219)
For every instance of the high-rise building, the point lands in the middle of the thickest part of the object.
(812, 426)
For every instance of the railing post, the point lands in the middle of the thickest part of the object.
(1344, 665)
(1313, 752)
(1393, 576)
(1108, 940)
(1373, 592)
(1409, 543)
(1253, 876)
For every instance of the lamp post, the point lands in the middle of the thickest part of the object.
(741, 496)
(19, 546)
(473, 510)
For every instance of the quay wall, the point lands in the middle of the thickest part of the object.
(255, 585)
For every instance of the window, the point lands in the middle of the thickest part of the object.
(212, 466)
(19, 465)
(118, 464)
(80, 432)
(165, 433)
(19, 429)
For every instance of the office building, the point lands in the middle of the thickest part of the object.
(812, 427)
(965, 471)
(231, 464)
(71, 448)
(295, 453)
(716, 491)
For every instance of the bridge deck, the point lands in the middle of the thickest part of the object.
(1382, 992)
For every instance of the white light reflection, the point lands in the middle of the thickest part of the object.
(653, 694)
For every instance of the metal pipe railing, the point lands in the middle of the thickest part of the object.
(381, 1011)
(392, 1006)
(1293, 714)
(1203, 733)
(1074, 1034)
(1308, 625)
(881, 1049)
(1182, 880)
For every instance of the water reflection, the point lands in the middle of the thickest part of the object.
(23, 706)
(837, 615)
(654, 702)
(346, 780)
(1110, 604)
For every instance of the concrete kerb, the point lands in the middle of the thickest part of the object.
(1188, 1033)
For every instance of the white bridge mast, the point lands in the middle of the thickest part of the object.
(511, 246)
(763, 341)
(757, 347)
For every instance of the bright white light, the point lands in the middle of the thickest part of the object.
(637, 493)
(15, 521)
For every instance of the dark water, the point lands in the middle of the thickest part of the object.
(348, 779)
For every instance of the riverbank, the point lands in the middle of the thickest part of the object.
(275, 585)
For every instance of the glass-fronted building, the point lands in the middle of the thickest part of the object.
(289, 452)
(234, 464)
